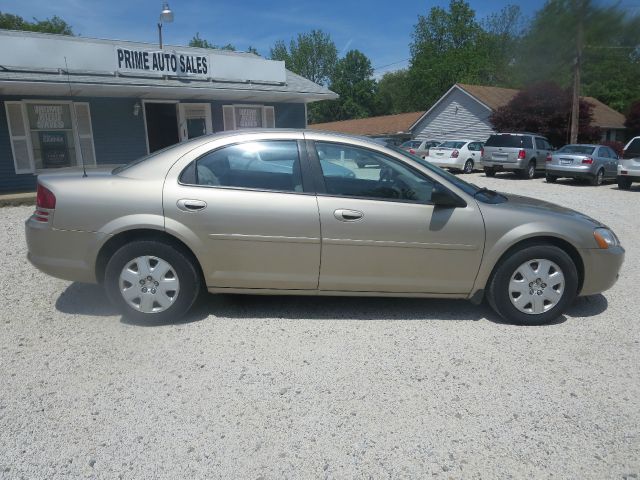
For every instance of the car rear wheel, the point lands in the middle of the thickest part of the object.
(624, 183)
(151, 281)
(529, 172)
(597, 179)
(468, 166)
(551, 178)
(534, 285)
(490, 172)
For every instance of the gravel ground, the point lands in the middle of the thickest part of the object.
(272, 387)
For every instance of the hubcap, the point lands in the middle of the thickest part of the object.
(149, 284)
(536, 286)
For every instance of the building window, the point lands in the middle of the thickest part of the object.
(237, 117)
(46, 135)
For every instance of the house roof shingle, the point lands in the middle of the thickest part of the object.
(384, 125)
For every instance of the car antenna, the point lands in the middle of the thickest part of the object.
(74, 119)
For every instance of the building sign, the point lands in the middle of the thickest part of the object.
(48, 117)
(53, 147)
(161, 62)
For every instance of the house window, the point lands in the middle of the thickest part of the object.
(237, 117)
(46, 135)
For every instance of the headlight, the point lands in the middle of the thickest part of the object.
(605, 238)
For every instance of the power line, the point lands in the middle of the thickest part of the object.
(390, 64)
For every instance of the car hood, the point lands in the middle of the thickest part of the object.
(536, 206)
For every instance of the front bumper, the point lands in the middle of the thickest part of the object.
(601, 269)
(66, 254)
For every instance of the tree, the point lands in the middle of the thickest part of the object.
(312, 55)
(352, 79)
(50, 25)
(452, 46)
(633, 119)
(199, 42)
(545, 108)
(393, 93)
(609, 68)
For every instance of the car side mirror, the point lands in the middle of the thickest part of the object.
(441, 197)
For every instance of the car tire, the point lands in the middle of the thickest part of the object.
(157, 264)
(509, 293)
(597, 179)
(551, 178)
(624, 183)
(468, 167)
(529, 172)
(490, 172)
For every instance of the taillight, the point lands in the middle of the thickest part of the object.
(455, 154)
(522, 154)
(587, 160)
(482, 152)
(411, 150)
(548, 157)
(45, 201)
(45, 198)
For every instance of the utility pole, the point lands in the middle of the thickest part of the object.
(575, 104)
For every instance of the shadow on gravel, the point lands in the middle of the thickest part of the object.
(86, 299)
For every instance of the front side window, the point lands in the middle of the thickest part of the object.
(358, 172)
(264, 165)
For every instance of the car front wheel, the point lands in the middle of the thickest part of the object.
(152, 281)
(534, 285)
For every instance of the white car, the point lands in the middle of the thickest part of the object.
(463, 155)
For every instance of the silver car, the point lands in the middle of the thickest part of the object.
(419, 147)
(208, 214)
(595, 163)
(629, 164)
(522, 153)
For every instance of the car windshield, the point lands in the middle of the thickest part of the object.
(451, 144)
(579, 149)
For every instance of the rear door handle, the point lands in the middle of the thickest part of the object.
(190, 205)
(348, 215)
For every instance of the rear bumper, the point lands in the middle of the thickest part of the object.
(66, 254)
(446, 162)
(601, 269)
(574, 172)
(518, 165)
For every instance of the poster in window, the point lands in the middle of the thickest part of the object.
(247, 117)
(53, 146)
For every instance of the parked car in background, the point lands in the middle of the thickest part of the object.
(400, 227)
(595, 163)
(462, 155)
(629, 164)
(522, 153)
(419, 147)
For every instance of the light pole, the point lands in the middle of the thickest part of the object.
(166, 16)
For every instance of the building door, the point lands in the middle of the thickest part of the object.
(162, 124)
(195, 120)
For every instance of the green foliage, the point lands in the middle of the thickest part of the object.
(312, 55)
(199, 42)
(452, 46)
(633, 119)
(393, 93)
(352, 80)
(545, 108)
(50, 25)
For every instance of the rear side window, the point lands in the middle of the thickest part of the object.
(264, 165)
(505, 140)
(633, 150)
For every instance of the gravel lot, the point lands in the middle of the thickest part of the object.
(275, 387)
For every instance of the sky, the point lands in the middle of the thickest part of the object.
(380, 29)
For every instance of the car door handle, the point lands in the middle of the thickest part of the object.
(189, 205)
(348, 215)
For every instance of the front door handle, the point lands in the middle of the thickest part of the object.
(190, 205)
(348, 215)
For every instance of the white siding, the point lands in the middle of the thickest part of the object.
(457, 116)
